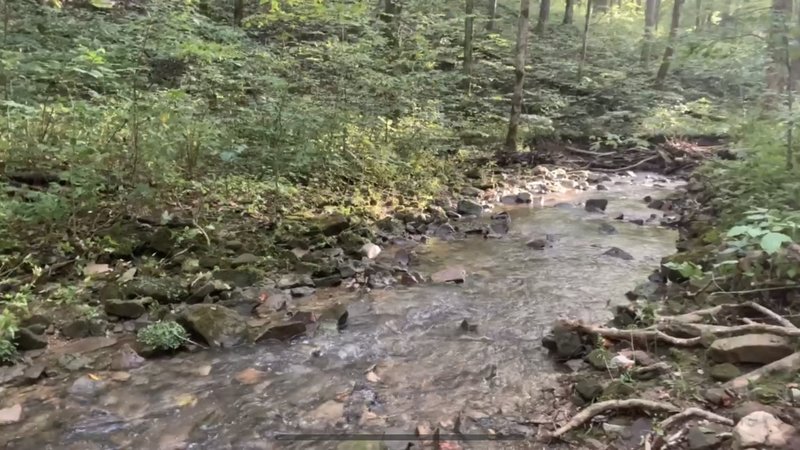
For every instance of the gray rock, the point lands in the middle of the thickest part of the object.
(589, 389)
(329, 281)
(575, 365)
(524, 197)
(702, 438)
(456, 274)
(203, 290)
(161, 241)
(537, 244)
(751, 348)
(370, 250)
(469, 207)
(86, 387)
(598, 359)
(303, 291)
(127, 309)
(126, 358)
(84, 327)
(745, 409)
(163, 290)
(601, 187)
(649, 290)
(333, 225)
(596, 205)
(607, 228)
(567, 343)
(28, 340)
(294, 281)
(237, 277)
(618, 390)
(469, 191)
(762, 430)
(219, 326)
(724, 372)
(244, 260)
(615, 252)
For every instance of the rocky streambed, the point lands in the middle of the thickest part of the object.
(454, 347)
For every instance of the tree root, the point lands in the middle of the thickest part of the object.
(642, 335)
(610, 405)
(788, 364)
(703, 314)
(694, 412)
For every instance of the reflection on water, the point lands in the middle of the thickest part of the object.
(425, 368)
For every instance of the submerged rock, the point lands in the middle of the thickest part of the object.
(126, 358)
(455, 274)
(615, 252)
(607, 228)
(596, 205)
(219, 326)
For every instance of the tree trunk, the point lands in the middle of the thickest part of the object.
(601, 6)
(698, 21)
(492, 15)
(658, 14)
(469, 22)
(649, 27)
(544, 16)
(585, 41)
(569, 11)
(238, 12)
(669, 52)
(777, 77)
(510, 147)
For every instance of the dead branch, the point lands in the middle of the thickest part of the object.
(587, 152)
(642, 336)
(788, 364)
(622, 169)
(771, 314)
(703, 314)
(611, 405)
(694, 412)
(723, 331)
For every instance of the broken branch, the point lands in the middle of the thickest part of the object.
(694, 412)
(611, 405)
(788, 364)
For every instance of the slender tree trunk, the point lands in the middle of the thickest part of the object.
(569, 12)
(669, 52)
(601, 6)
(585, 40)
(649, 27)
(658, 14)
(544, 16)
(492, 15)
(510, 146)
(469, 22)
(698, 21)
(238, 12)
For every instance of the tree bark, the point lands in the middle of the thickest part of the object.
(658, 14)
(585, 41)
(238, 12)
(544, 16)
(649, 27)
(469, 22)
(669, 52)
(569, 12)
(510, 146)
(698, 21)
(492, 15)
(601, 6)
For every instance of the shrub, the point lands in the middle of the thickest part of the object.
(163, 335)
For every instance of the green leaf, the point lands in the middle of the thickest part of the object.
(101, 4)
(738, 230)
(771, 242)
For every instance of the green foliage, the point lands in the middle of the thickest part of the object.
(8, 352)
(687, 269)
(163, 335)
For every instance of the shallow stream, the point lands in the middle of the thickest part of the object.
(490, 381)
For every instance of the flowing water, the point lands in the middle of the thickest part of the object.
(426, 368)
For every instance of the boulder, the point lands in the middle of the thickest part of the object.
(161, 241)
(596, 205)
(163, 290)
(750, 348)
(302, 291)
(127, 309)
(333, 225)
(28, 340)
(598, 359)
(567, 344)
(126, 358)
(745, 409)
(469, 207)
(618, 390)
(524, 197)
(84, 327)
(219, 326)
(469, 191)
(724, 372)
(762, 430)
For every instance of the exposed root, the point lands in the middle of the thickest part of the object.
(611, 405)
(703, 314)
(788, 364)
(694, 412)
(771, 314)
(641, 336)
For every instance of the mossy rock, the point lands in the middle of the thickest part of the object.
(217, 325)
(618, 390)
(238, 277)
(598, 358)
(589, 389)
(161, 241)
(724, 372)
(163, 290)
